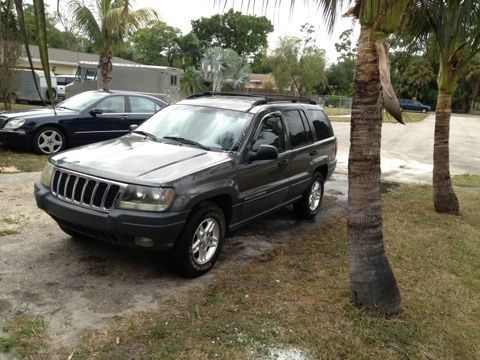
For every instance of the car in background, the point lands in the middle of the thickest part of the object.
(413, 105)
(88, 117)
(62, 81)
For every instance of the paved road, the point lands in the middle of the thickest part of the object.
(407, 150)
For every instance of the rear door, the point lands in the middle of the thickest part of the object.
(302, 148)
(140, 109)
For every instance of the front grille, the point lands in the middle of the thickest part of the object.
(85, 190)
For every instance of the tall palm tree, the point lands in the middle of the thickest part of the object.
(107, 25)
(455, 28)
(372, 283)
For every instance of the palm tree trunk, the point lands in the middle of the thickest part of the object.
(105, 65)
(372, 283)
(444, 197)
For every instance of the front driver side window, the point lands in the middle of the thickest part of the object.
(271, 133)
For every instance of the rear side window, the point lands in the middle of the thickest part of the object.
(141, 105)
(322, 126)
(296, 129)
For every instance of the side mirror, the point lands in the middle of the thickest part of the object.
(96, 112)
(132, 128)
(264, 152)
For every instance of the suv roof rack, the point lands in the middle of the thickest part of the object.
(266, 98)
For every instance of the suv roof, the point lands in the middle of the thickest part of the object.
(241, 101)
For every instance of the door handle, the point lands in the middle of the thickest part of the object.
(124, 117)
(313, 152)
(283, 162)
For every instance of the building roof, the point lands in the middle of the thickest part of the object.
(67, 57)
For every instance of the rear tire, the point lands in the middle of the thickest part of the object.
(309, 205)
(199, 246)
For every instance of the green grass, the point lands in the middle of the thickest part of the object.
(466, 180)
(20, 160)
(298, 297)
(25, 337)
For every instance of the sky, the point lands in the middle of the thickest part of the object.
(179, 13)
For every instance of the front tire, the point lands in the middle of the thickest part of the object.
(309, 205)
(48, 141)
(198, 248)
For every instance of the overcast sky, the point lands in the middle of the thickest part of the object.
(179, 13)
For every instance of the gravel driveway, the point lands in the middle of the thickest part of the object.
(77, 285)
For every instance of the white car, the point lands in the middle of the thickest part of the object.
(62, 81)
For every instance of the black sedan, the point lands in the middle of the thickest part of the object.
(84, 118)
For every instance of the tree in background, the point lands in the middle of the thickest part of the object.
(340, 75)
(156, 44)
(10, 51)
(107, 25)
(189, 51)
(454, 27)
(191, 82)
(69, 39)
(245, 34)
(298, 63)
(473, 80)
(412, 75)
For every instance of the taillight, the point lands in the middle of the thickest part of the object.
(333, 154)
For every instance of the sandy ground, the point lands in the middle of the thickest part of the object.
(78, 285)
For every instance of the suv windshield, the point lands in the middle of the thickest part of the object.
(218, 129)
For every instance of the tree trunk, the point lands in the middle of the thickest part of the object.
(105, 65)
(372, 283)
(444, 197)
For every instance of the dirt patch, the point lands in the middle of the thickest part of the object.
(77, 285)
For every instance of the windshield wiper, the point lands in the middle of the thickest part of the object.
(187, 141)
(64, 107)
(150, 136)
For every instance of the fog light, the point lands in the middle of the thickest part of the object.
(143, 241)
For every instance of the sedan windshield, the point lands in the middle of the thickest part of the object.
(82, 100)
(218, 129)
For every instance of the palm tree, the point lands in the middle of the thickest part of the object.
(454, 27)
(372, 283)
(107, 25)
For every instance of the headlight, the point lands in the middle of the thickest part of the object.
(47, 173)
(146, 198)
(14, 124)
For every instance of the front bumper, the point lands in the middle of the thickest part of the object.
(118, 226)
(16, 138)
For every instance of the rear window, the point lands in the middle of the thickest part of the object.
(296, 129)
(322, 126)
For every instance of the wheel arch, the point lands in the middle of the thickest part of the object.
(322, 169)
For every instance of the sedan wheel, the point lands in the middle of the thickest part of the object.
(49, 141)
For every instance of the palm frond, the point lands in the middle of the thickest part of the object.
(86, 21)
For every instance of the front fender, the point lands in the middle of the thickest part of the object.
(196, 195)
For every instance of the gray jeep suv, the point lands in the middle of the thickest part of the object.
(194, 170)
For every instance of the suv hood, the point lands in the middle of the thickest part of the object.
(136, 160)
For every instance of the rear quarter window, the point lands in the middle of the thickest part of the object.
(321, 124)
